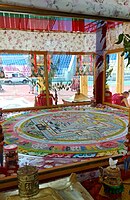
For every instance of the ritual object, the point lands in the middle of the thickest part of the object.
(111, 179)
(28, 183)
(11, 156)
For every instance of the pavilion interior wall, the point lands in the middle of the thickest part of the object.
(58, 41)
(112, 36)
(47, 41)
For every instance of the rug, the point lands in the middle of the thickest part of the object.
(82, 131)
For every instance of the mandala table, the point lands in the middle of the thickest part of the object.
(66, 140)
(78, 130)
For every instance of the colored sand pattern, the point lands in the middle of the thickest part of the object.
(79, 131)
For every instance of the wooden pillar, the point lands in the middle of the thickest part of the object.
(84, 85)
(120, 74)
(100, 49)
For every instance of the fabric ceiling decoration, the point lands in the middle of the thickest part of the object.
(35, 22)
(49, 23)
(118, 9)
(94, 25)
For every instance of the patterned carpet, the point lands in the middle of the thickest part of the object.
(81, 131)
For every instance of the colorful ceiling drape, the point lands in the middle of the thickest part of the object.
(40, 23)
(49, 23)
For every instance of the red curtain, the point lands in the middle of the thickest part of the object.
(78, 25)
(32, 22)
(40, 23)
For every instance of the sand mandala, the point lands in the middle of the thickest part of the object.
(82, 131)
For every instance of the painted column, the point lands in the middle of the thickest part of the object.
(100, 50)
(120, 74)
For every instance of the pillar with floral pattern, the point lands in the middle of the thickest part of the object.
(100, 50)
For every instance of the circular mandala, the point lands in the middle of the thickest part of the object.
(67, 131)
(72, 127)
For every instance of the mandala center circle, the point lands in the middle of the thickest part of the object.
(72, 126)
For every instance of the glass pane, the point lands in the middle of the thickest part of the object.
(68, 74)
(110, 76)
(111, 72)
(22, 81)
(117, 78)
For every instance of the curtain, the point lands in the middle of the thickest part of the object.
(49, 23)
(40, 23)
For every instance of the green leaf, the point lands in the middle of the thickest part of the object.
(120, 38)
(128, 62)
(128, 35)
(123, 53)
(127, 49)
(125, 42)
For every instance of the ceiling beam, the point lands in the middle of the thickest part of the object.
(44, 12)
